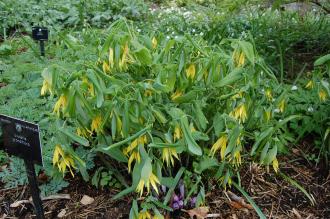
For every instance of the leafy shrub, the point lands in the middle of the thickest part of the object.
(154, 104)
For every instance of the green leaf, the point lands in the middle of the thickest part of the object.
(232, 139)
(232, 77)
(74, 137)
(131, 138)
(260, 138)
(159, 115)
(218, 124)
(294, 183)
(205, 164)
(115, 153)
(248, 50)
(202, 121)
(322, 60)
(144, 56)
(146, 170)
(175, 182)
(134, 212)
(192, 145)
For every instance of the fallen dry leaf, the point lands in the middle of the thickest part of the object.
(237, 202)
(19, 203)
(86, 200)
(62, 213)
(200, 212)
(296, 213)
(58, 196)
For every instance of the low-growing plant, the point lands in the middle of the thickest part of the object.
(153, 105)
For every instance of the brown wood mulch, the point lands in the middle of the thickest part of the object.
(276, 197)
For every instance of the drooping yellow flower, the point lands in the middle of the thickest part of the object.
(90, 86)
(158, 216)
(237, 158)
(168, 154)
(281, 105)
(177, 133)
(111, 57)
(238, 95)
(241, 60)
(153, 180)
(45, 87)
(83, 132)
(239, 113)
(268, 94)
(177, 94)
(63, 160)
(60, 104)
(309, 85)
(205, 75)
(124, 59)
(221, 144)
(135, 156)
(322, 95)
(144, 215)
(191, 71)
(267, 115)
(154, 43)
(275, 165)
(96, 124)
(148, 93)
(133, 152)
(106, 67)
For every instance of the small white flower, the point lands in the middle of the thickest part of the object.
(168, 37)
(173, 33)
(139, 30)
(280, 120)
(201, 34)
(276, 110)
(176, 37)
(294, 87)
(193, 30)
(168, 30)
(310, 109)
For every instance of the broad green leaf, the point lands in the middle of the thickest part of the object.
(248, 50)
(234, 134)
(232, 77)
(144, 56)
(192, 145)
(74, 137)
(322, 60)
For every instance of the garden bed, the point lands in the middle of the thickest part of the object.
(274, 195)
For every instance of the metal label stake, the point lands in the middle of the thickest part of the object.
(22, 139)
(40, 34)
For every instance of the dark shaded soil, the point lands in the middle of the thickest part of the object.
(276, 197)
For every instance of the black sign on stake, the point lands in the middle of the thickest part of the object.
(22, 139)
(40, 34)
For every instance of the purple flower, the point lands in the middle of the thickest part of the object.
(175, 206)
(193, 201)
(175, 198)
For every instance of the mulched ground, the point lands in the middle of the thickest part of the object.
(274, 195)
